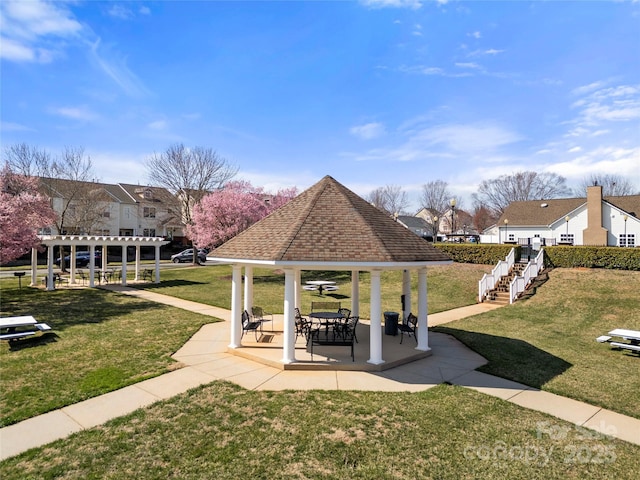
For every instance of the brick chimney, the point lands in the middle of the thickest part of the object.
(594, 234)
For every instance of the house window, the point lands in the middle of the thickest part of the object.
(148, 194)
(149, 232)
(106, 214)
(628, 240)
(512, 237)
(566, 238)
(149, 212)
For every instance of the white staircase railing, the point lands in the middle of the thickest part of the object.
(522, 281)
(489, 280)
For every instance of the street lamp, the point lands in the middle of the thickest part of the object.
(435, 228)
(506, 230)
(566, 219)
(452, 202)
(625, 217)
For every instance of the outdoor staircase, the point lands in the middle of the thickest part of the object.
(500, 293)
(510, 279)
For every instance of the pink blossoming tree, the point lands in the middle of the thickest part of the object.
(223, 214)
(22, 211)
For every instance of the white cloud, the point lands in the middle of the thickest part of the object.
(117, 69)
(13, 127)
(413, 4)
(144, 10)
(158, 125)
(475, 34)
(26, 26)
(611, 160)
(574, 150)
(118, 11)
(368, 131)
(75, 113)
(490, 51)
(470, 65)
(602, 105)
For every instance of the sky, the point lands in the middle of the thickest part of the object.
(371, 92)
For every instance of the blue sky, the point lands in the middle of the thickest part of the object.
(373, 93)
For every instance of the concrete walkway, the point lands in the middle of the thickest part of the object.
(206, 359)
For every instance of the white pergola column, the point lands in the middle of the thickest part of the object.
(236, 307)
(423, 331)
(50, 267)
(92, 264)
(297, 287)
(34, 267)
(355, 293)
(104, 258)
(137, 276)
(375, 345)
(124, 264)
(248, 288)
(406, 291)
(72, 262)
(289, 340)
(157, 279)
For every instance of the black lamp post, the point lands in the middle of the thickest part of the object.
(435, 229)
(626, 240)
(453, 215)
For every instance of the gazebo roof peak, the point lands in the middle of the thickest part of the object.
(328, 223)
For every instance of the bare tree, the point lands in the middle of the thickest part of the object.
(496, 194)
(189, 173)
(28, 160)
(390, 198)
(68, 181)
(612, 185)
(436, 196)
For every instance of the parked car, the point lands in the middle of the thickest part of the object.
(187, 256)
(82, 259)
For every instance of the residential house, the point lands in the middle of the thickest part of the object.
(417, 225)
(594, 220)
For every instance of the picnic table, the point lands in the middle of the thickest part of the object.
(632, 337)
(13, 328)
(321, 285)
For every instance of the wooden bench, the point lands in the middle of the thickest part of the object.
(324, 337)
(626, 346)
(325, 306)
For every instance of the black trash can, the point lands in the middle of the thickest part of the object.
(391, 323)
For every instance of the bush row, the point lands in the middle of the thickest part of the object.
(578, 256)
(593, 257)
(484, 254)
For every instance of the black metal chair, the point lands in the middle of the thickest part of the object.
(348, 328)
(408, 326)
(303, 325)
(248, 325)
(259, 315)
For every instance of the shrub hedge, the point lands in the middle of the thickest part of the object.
(593, 257)
(485, 254)
(575, 256)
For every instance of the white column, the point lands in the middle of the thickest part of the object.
(72, 278)
(289, 340)
(137, 277)
(34, 267)
(406, 291)
(92, 264)
(375, 339)
(50, 267)
(157, 280)
(124, 264)
(423, 331)
(236, 307)
(104, 258)
(248, 289)
(297, 286)
(355, 293)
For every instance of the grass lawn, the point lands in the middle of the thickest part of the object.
(101, 342)
(548, 341)
(448, 287)
(224, 432)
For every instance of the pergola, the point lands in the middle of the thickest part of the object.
(91, 241)
(328, 227)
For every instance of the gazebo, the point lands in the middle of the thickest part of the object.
(328, 227)
(93, 241)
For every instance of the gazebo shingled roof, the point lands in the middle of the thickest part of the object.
(329, 223)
